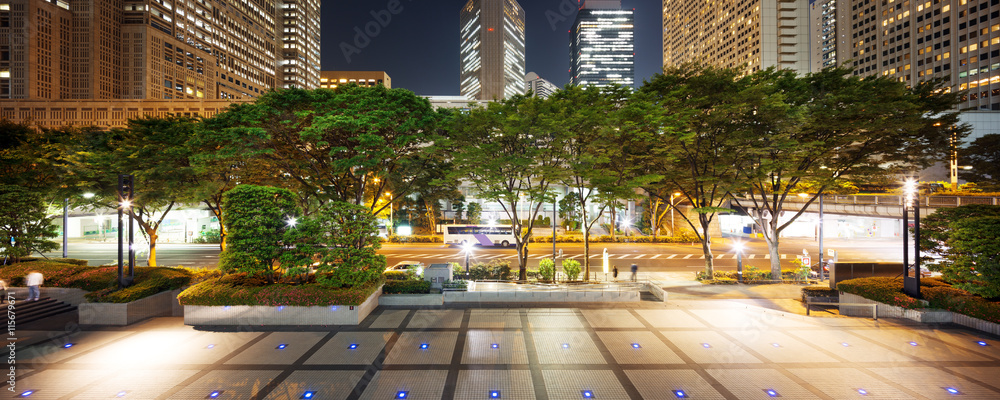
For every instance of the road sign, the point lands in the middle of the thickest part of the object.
(806, 261)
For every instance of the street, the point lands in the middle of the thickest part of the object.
(649, 257)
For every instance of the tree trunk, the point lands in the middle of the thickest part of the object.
(152, 247)
(586, 253)
(522, 260)
(613, 222)
(706, 247)
(772, 248)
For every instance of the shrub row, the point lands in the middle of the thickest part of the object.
(937, 293)
(148, 281)
(74, 261)
(819, 291)
(214, 293)
(881, 289)
(102, 282)
(407, 287)
(414, 239)
(962, 302)
(750, 275)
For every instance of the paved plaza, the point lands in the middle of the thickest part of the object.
(682, 349)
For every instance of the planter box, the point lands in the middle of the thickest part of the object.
(976, 323)
(282, 315)
(121, 314)
(434, 299)
(920, 315)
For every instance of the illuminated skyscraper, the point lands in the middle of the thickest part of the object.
(538, 86)
(602, 45)
(492, 49)
(156, 49)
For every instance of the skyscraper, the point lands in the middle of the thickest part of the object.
(751, 34)
(539, 86)
(602, 45)
(823, 16)
(492, 49)
(152, 49)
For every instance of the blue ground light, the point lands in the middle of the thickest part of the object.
(845, 344)
(424, 346)
(210, 346)
(495, 346)
(952, 390)
(775, 345)
(913, 343)
(636, 346)
(26, 393)
(352, 346)
(122, 393)
(214, 394)
(680, 394)
(982, 343)
(771, 392)
(862, 392)
(282, 346)
(494, 394)
(565, 345)
(308, 395)
(401, 394)
(587, 394)
(68, 345)
(706, 345)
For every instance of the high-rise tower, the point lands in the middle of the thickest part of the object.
(492, 49)
(602, 45)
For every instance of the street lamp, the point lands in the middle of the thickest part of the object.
(467, 247)
(292, 221)
(126, 193)
(911, 284)
(738, 247)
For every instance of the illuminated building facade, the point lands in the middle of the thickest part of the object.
(823, 37)
(332, 79)
(749, 34)
(539, 86)
(154, 49)
(602, 45)
(492, 49)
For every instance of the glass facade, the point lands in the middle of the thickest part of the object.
(492, 49)
(602, 47)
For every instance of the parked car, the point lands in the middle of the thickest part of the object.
(416, 266)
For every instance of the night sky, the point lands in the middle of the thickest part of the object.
(418, 48)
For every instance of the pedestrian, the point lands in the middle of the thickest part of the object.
(635, 270)
(33, 281)
(614, 272)
(3, 285)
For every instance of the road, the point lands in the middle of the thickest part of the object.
(649, 257)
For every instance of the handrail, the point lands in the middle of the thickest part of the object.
(896, 200)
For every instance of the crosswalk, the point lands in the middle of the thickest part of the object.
(724, 256)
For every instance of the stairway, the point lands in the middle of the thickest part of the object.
(26, 312)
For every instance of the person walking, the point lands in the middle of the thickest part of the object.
(635, 270)
(614, 272)
(33, 281)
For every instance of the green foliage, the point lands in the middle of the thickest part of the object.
(102, 282)
(966, 237)
(23, 218)
(546, 269)
(399, 275)
(881, 289)
(571, 268)
(148, 281)
(474, 213)
(962, 302)
(493, 270)
(820, 291)
(343, 239)
(455, 285)
(256, 219)
(983, 155)
(214, 293)
(74, 261)
(752, 275)
(415, 239)
(407, 287)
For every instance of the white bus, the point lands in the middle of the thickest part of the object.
(502, 235)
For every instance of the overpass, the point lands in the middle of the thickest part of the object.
(884, 206)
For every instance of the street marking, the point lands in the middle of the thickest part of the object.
(672, 256)
(656, 256)
(538, 257)
(640, 256)
(784, 256)
(573, 257)
(767, 256)
(752, 256)
(595, 256)
(721, 256)
(688, 256)
(701, 257)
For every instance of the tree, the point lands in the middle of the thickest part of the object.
(569, 210)
(154, 150)
(24, 226)
(341, 241)
(344, 144)
(936, 228)
(983, 155)
(518, 154)
(973, 256)
(474, 213)
(598, 131)
(257, 219)
(827, 129)
(31, 159)
(695, 140)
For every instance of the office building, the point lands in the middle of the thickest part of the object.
(149, 49)
(823, 38)
(539, 87)
(602, 45)
(332, 79)
(750, 35)
(300, 33)
(492, 49)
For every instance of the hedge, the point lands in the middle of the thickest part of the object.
(750, 275)
(881, 289)
(407, 287)
(148, 281)
(414, 239)
(962, 302)
(936, 292)
(819, 291)
(74, 261)
(216, 293)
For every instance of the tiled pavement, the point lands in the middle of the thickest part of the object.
(704, 349)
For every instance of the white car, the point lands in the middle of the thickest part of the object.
(416, 266)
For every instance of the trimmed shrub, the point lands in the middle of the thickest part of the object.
(398, 275)
(148, 281)
(819, 291)
(74, 261)
(256, 220)
(546, 269)
(212, 293)
(881, 289)
(407, 287)
(962, 302)
(493, 270)
(571, 268)
(415, 239)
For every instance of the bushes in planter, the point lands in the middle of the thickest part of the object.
(102, 282)
(751, 275)
(415, 239)
(213, 293)
(546, 269)
(571, 268)
(493, 270)
(881, 289)
(149, 281)
(962, 302)
(407, 287)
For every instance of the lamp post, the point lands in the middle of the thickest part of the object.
(468, 249)
(911, 284)
(126, 192)
(738, 246)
